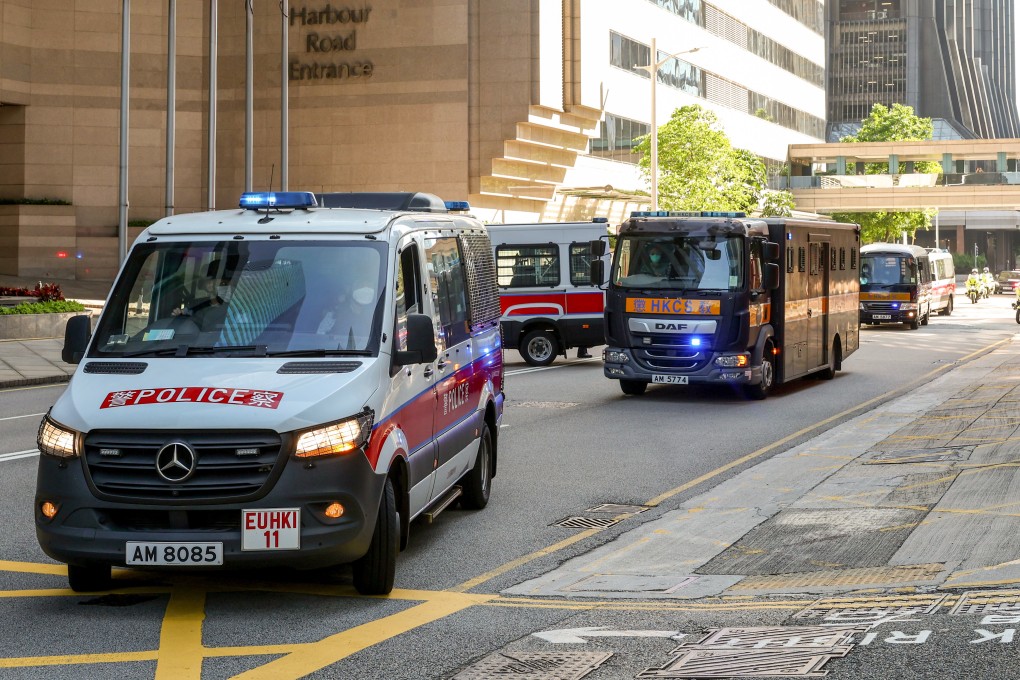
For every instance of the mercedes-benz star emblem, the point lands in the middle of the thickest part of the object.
(176, 461)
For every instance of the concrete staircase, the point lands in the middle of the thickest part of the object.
(535, 163)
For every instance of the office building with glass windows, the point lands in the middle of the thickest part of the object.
(527, 108)
(954, 61)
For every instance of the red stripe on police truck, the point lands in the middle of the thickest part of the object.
(198, 395)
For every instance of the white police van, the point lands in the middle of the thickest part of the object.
(283, 384)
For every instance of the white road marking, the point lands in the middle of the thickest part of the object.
(565, 636)
(27, 415)
(15, 455)
(549, 368)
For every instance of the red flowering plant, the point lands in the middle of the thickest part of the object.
(46, 292)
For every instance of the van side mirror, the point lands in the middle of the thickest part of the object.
(76, 338)
(597, 275)
(771, 278)
(771, 251)
(421, 342)
(598, 248)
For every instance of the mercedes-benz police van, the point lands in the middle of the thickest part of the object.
(721, 298)
(278, 385)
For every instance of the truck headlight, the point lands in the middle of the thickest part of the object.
(614, 357)
(337, 438)
(55, 440)
(733, 360)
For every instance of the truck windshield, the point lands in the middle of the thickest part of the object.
(680, 262)
(888, 270)
(246, 298)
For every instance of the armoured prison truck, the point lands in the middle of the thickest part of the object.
(720, 298)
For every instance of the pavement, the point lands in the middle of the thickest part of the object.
(37, 361)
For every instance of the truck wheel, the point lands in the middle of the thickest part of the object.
(539, 348)
(478, 482)
(633, 387)
(768, 376)
(88, 579)
(835, 359)
(374, 572)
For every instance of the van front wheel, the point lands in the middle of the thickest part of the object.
(374, 572)
(539, 348)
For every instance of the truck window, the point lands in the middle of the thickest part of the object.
(446, 271)
(408, 293)
(524, 266)
(755, 280)
(697, 263)
(580, 264)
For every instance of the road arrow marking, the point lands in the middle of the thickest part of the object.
(565, 636)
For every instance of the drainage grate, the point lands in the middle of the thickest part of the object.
(987, 602)
(836, 607)
(576, 522)
(758, 652)
(843, 577)
(535, 666)
(619, 508)
(545, 404)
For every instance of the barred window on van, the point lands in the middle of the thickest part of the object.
(580, 264)
(528, 266)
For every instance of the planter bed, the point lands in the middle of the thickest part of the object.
(30, 326)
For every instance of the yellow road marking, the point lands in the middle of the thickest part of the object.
(34, 568)
(180, 640)
(330, 650)
(75, 659)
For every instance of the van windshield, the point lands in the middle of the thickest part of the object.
(885, 269)
(680, 262)
(246, 298)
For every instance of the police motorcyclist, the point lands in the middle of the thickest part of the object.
(974, 282)
(989, 281)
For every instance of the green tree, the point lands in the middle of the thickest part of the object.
(897, 123)
(700, 170)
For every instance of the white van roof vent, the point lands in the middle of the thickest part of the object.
(416, 201)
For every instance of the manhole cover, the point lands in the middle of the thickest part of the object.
(619, 508)
(758, 652)
(585, 522)
(535, 666)
(987, 602)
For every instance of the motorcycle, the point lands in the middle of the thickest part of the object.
(1016, 306)
(973, 293)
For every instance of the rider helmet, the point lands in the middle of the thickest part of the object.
(974, 270)
(986, 270)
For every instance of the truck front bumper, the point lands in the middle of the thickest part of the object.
(708, 373)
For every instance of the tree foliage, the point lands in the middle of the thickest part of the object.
(700, 170)
(897, 123)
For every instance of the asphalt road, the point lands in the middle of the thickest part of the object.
(571, 441)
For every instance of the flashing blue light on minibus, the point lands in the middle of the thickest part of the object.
(255, 200)
(458, 206)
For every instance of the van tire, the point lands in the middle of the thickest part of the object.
(375, 571)
(477, 483)
(633, 387)
(914, 324)
(539, 348)
(88, 579)
(949, 307)
(768, 375)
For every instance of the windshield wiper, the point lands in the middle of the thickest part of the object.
(320, 353)
(187, 350)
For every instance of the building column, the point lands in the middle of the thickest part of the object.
(1000, 162)
(894, 164)
(947, 163)
(840, 165)
(961, 241)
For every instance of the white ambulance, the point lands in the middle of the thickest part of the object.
(547, 301)
(279, 385)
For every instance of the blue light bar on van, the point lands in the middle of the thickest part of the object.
(600, 220)
(685, 213)
(458, 206)
(257, 200)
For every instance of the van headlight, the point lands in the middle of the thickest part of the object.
(56, 440)
(908, 305)
(337, 438)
